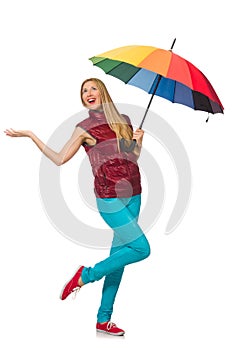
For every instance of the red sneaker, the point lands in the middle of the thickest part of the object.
(72, 285)
(109, 328)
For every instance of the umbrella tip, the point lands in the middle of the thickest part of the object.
(173, 43)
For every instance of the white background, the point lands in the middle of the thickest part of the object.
(179, 298)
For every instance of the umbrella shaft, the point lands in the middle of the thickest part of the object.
(156, 87)
(148, 106)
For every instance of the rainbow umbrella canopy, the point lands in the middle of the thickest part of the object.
(163, 73)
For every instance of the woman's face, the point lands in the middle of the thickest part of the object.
(91, 95)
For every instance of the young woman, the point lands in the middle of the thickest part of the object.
(117, 186)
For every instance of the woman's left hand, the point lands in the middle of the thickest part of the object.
(138, 136)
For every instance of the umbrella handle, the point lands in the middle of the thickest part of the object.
(125, 148)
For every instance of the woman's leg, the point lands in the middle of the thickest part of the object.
(113, 280)
(109, 291)
(130, 244)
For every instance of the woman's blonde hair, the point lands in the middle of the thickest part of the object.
(116, 121)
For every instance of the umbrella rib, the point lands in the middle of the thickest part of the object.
(190, 73)
(174, 92)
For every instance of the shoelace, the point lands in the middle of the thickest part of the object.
(110, 325)
(75, 291)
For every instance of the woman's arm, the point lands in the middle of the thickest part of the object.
(59, 158)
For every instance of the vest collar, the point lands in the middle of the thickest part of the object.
(97, 115)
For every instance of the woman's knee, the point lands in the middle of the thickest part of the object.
(142, 246)
(146, 250)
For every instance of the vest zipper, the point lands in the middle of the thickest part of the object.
(127, 165)
(105, 180)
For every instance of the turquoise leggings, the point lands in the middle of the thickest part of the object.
(129, 245)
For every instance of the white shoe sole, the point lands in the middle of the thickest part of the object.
(101, 331)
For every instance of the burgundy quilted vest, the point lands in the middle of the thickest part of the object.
(116, 174)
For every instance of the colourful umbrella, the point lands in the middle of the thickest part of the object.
(162, 73)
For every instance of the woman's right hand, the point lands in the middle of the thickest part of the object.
(59, 158)
(18, 133)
